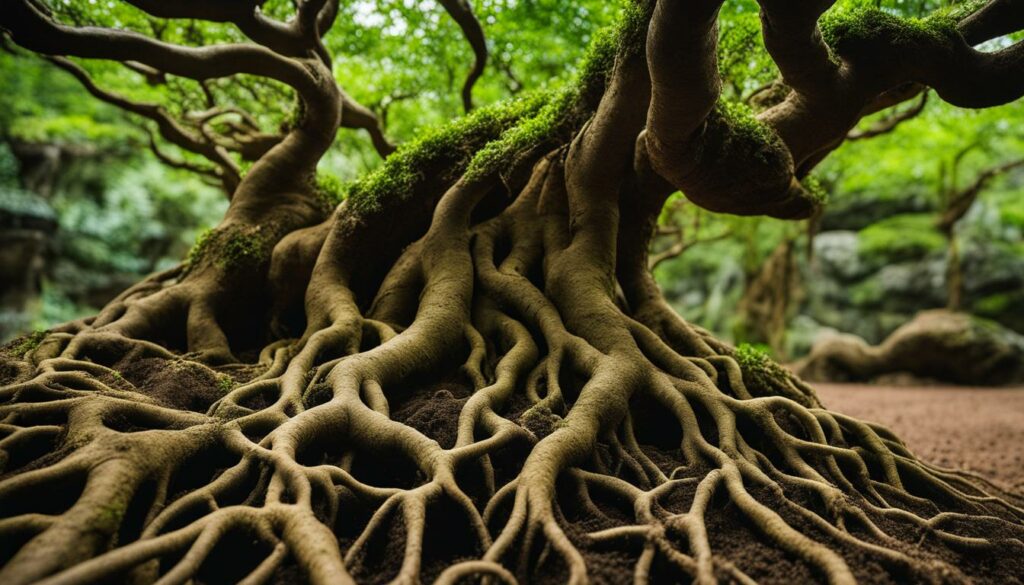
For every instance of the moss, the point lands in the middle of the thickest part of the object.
(229, 247)
(624, 38)
(597, 61)
(27, 343)
(523, 137)
(816, 189)
(757, 365)
(450, 146)
(491, 138)
(240, 247)
(962, 10)
(199, 249)
(752, 356)
(846, 29)
(541, 421)
(743, 134)
(110, 515)
(744, 125)
(631, 27)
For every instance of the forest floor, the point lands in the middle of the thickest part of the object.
(977, 429)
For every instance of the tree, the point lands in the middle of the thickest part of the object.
(471, 344)
(956, 203)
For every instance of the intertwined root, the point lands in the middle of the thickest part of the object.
(511, 429)
(499, 411)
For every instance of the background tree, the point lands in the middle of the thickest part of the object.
(472, 341)
(877, 257)
(956, 203)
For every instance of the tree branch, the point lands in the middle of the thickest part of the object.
(890, 122)
(357, 116)
(37, 32)
(680, 246)
(462, 12)
(961, 202)
(168, 127)
(995, 19)
(682, 57)
(184, 165)
(295, 39)
(971, 79)
(794, 41)
(885, 60)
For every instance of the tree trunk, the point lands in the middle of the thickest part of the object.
(767, 298)
(954, 273)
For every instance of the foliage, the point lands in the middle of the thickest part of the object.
(900, 237)
(330, 188)
(8, 168)
(122, 213)
(744, 63)
(42, 104)
(127, 216)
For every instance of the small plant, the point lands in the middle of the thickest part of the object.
(226, 383)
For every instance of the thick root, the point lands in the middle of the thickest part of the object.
(517, 423)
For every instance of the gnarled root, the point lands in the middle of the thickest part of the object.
(497, 411)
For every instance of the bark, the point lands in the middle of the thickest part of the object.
(466, 369)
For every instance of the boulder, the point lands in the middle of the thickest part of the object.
(939, 345)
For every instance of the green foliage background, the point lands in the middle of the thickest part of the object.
(122, 214)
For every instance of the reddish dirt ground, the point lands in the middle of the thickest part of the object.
(977, 429)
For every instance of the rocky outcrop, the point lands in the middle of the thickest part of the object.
(26, 224)
(937, 345)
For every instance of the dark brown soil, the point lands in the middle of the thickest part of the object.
(977, 429)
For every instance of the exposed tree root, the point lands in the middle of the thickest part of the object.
(568, 441)
(513, 401)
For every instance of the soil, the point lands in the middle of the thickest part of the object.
(977, 429)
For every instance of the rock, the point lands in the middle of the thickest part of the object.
(857, 211)
(836, 255)
(26, 224)
(940, 345)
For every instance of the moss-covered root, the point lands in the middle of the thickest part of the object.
(521, 425)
